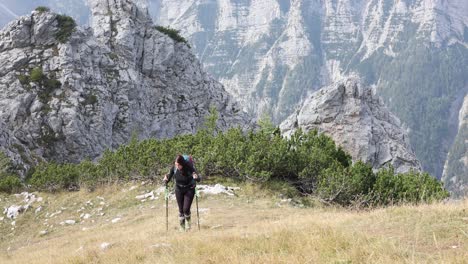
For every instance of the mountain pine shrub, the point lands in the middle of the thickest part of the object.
(310, 162)
(54, 177)
(344, 185)
(410, 187)
(8, 181)
(36, 75)
(66, 26)
(42, 9)
(172, 33)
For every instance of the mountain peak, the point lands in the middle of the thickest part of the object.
(114, 21)
(357, 119)
(39, 28)
(66, 99)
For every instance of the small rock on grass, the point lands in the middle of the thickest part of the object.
(105, 245)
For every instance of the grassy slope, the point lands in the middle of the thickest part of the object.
(252, 227)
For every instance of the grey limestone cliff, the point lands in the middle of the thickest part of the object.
(122, 77)
(272, 53)
(357, 119)
(455, 176)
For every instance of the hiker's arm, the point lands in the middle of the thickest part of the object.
(196, 177)
(194, 172)
(168, 176)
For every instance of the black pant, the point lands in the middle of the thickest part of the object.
(184, 198)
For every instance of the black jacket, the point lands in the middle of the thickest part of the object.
(184, 177)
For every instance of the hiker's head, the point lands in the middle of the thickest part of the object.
(179, 162)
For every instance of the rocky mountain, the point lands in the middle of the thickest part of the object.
(69, 93)
(357, 119)
(456, 166)
(270, 54)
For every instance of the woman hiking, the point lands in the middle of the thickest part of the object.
(185, 176)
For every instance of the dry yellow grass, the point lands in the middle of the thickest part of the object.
(253, 227)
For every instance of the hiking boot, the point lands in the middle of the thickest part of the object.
(182, 223)
(187, 223)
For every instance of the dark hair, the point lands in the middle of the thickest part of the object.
(180, 159)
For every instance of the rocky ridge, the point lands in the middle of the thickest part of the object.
(270, 54)
(327, 38)
(70, 100)
(357, 119)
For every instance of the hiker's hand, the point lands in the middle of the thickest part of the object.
(195, 176)
(165, 179)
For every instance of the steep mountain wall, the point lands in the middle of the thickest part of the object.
(455, 174)
(72, 100)
(271, 54)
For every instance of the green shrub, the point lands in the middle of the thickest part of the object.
(10, 183)
(113, 56)
(36, 75)
(88, 175)
(66, 27)
(172, 33)
(90, 99)
(24, 79)
(343, 186)
(311, 162)
(42, 9)
(410, 187)
(53, 177)
(362, 178)
(47, 85)
(5, 163)
(331, 184)
(52, 84)
(311, 154)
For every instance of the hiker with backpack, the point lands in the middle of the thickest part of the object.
(185, 177)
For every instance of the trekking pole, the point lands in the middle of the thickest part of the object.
(166, 197)
(196, 200)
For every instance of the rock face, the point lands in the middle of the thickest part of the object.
(70, 101)
(16, 152)
(455, 175)
(357, 120)
(271, 53)
(299, 42)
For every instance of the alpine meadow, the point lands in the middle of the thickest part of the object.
(240, 131)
